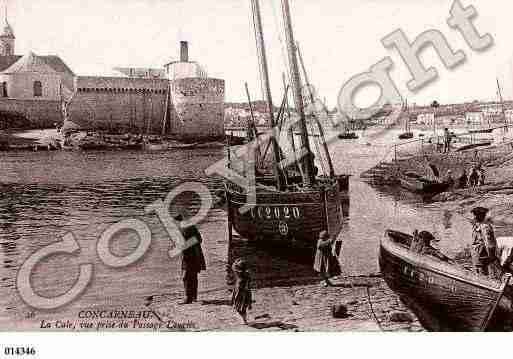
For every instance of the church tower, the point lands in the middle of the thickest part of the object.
(7, 38)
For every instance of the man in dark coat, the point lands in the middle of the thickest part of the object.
(193, 261)
(447, 140)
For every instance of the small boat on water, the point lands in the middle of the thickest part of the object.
(481, 130)
(348, 136)
(421, 185)
(443, 295)
(406, 136)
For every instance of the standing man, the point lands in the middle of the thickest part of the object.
(193, 261)
(484, 245)
(447, 140)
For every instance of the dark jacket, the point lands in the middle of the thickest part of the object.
(193, 259)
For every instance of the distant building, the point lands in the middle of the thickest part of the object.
(34, 77)
(426, 118)
(474, 117)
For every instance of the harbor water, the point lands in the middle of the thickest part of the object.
(46, 195)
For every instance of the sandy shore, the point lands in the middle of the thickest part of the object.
(298, 308)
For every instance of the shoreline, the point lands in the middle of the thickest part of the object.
(496, 194)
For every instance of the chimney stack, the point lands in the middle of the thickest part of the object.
(184, 51)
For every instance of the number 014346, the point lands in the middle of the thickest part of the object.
(19, 351)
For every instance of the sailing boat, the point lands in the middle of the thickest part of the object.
(347, 134)
(407, 134)
(287, 208)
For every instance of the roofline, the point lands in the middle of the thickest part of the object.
(182, 62)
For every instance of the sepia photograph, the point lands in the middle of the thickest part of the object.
(255, 166)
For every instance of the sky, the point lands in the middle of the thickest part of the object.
(338, 39)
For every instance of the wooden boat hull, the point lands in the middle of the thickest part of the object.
(423, 187)
(485, 130)
(472, 146)
(287, 216)
(444, 297)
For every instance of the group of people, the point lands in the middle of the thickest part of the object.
(484, 254)
(193, 262)
(473, 178)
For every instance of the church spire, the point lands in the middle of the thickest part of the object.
(8, 31)
(7, 37)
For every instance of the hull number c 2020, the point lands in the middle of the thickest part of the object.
(270, 213)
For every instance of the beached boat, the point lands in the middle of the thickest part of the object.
(418, 184)
(443, 295)
(291, 206)
(288, 215)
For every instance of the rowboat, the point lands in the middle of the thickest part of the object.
(482, 130)
(443, 295)
(406, 136)
(348, 136)
(418, 184)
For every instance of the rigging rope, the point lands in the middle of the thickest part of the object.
(317, 148)
(282, 43)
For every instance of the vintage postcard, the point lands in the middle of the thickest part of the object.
(255, 166)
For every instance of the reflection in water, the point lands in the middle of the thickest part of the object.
(273, 265)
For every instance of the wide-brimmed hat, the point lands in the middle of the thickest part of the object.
(324, 235)
(480, 211)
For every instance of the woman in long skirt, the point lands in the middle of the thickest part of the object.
(241, 298)
(326, 263)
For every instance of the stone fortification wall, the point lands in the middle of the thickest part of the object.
(198, 108)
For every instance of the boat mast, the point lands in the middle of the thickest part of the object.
(305, 154)
(312, 100)
(259, 35)
(502, 104)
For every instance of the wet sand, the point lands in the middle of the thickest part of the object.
(299, 308)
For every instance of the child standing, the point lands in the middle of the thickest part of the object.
(241, 298)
